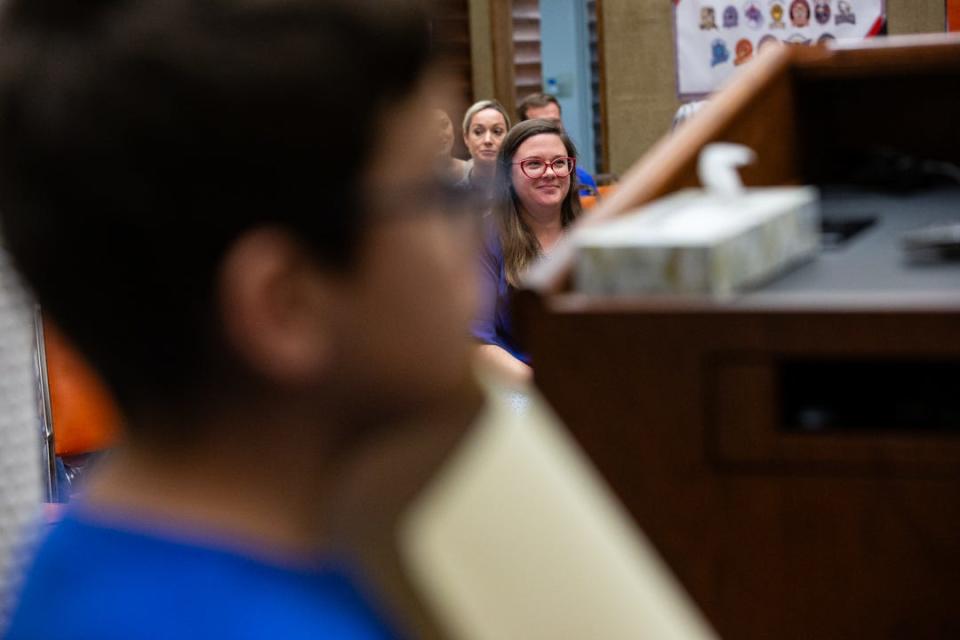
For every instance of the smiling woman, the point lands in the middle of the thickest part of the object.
(535, 201)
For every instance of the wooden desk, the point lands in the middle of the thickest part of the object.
(785, 518)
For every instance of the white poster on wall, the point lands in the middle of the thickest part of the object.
(715, 37)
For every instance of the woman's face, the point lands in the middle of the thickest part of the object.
(444, 132)
(484, 135)
(548, 191)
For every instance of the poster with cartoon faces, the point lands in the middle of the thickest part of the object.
(716, 37)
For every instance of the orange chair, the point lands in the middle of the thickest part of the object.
(588, 202)
(85, 417)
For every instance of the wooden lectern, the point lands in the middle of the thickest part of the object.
(794, 453)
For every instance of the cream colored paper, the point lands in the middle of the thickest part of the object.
(519, 538)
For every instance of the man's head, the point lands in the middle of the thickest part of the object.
(540, 106)
(230, 203)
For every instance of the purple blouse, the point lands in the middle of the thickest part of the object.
(493, 324)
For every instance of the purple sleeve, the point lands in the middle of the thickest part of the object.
(484, 327)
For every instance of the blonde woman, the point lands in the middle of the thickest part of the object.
(485, 125)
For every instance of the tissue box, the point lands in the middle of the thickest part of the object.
(695, 242)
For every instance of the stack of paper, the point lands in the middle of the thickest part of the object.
(518, 537)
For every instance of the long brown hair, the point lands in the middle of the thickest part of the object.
(519, 243)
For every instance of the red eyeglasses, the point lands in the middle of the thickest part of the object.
(535, 168)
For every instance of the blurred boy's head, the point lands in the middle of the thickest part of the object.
(231, 204)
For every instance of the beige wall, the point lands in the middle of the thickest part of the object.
(916, 16)
(640, 76)
(481, 49)
(640, 67)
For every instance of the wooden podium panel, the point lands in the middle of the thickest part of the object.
(794, 453)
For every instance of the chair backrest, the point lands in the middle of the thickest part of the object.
(588, 202)
(85, 416)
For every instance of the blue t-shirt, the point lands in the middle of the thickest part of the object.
(584, 178)
(92, 580)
